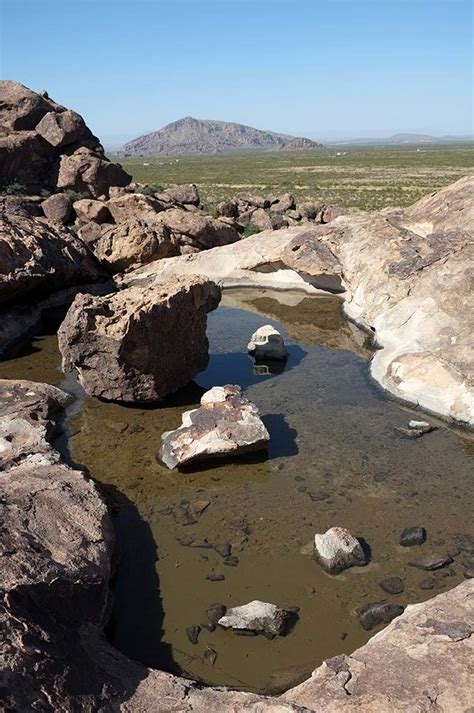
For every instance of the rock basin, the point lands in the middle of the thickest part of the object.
(332, 432)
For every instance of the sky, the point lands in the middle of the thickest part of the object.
(319, 68)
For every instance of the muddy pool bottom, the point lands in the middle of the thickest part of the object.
(335, 458)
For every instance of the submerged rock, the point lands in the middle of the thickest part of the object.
(412, 536)
(259, 617)
(267, 343)
(377, 613)
(430, 562)
(129, 346)
(392, 585)
(337, 550)
(226, 423)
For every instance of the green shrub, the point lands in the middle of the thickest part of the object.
(151, 189)
(250, 229)
(13, 188)
(76, 195)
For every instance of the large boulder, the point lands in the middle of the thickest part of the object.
(226, 424)
(337, 550)
(86, 172)
(20, 108)
(61, 129)
(134, 242)
(89, 210)
(45, 146)
(129, 346)
(186, 194)
(38, 258)
(200, 231)
(133, 205)
(57, 208)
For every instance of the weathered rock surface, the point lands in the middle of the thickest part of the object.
(55, 570)
(134, 242)
(337, 550)
(36, 137)
(187, 194)
(127, 346)
(57, 208)
(87, 171)
(197, 230)
(258, 617)
(225, 424)
(37, 258)
(427, 652)
(88, 210)
(400, 272)
(134, 205)
(267, 343)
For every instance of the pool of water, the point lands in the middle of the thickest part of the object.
(335, 458)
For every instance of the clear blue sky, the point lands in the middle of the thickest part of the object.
(323, 68)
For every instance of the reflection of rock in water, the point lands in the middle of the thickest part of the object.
(269, 366)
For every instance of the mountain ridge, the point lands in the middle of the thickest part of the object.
(198, 136)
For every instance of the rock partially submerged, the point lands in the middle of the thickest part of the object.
(376, 613)
(267, 343)
(337, 550)
(128, 346)
(260, 618)
(225, 424)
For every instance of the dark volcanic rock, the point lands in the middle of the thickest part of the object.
(57, 208)
(376, 613)
(392, 585)
(412, 536)
(128, 346)
(432, 561)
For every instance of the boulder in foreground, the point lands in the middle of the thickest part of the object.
(337, 550)
(225, 424)
(129, 347)
(259, 618)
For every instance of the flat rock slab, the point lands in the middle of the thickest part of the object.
(225, 424)
(337, 550)
(430, 562)
(141, 344)
(260, 618)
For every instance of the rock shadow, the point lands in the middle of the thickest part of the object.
(282, 436)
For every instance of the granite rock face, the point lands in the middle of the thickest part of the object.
(38, 258)
(129, 347)
(226, 424)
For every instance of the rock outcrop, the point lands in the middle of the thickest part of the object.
(128, 347)
(226, 424)
(45, 146)
(399, 272)
(55, 572)
(421, 661)
(37, 258)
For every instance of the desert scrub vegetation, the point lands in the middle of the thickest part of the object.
(13, 188)
(367, 177)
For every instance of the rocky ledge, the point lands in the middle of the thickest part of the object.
(405, 275)
(56, 564)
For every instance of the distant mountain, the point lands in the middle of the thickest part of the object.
(199, 136)
(406, 139)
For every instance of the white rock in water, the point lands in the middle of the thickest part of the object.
(337, 550)
(259, 617)
(422, 426)
(226, 423)
(267, 343)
